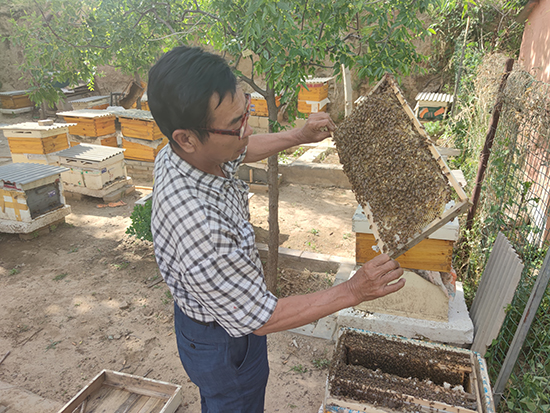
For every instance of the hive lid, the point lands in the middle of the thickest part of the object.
(89, 99)
(87, 113)
(318, 80)
(35, 126)
(89, 152)
(14, 93)
(434, 97)
(24, 173)
(135, 114)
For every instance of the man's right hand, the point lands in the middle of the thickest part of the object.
(376, 279)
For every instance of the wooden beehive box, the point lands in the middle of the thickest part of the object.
(258, 104)
(112, 391)
(313, 97)
(106, 140)
(92, 102)
(379, 373)
(92, 166)
(33, 141)
(28, 191)
(432, 106)
(141, 149)
(90, 122)
(140, 124)
(396, 173)
(434, 253)
(16, 99)
(144, 102)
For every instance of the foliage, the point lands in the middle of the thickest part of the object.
(141, 221)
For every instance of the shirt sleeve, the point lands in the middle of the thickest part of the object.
(218, 268)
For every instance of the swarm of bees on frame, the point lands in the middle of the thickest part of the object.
(390, 168)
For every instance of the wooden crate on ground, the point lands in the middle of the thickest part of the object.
(33, 141)
(31, 197)
(135, 123)
(141, 149)
(92, 102)
(16, 99)
(90, 122)
(112, 391)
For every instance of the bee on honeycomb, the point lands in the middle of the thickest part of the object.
(392, 171)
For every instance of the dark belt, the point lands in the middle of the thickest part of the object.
(203, 323)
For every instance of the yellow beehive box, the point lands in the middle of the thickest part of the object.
(313, 91)
(258, 105)
(139, 124)
(16, 99)
(36, 138)
(142, 150)
(434, 253)
(90, 122)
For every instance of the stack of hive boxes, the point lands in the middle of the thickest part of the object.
(31, 197)
(15, 102)
(313, 97)
(36, 142)
(91, 126)
(142, 141)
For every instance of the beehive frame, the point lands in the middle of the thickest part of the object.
(461, 203)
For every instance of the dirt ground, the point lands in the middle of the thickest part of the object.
(81, 299)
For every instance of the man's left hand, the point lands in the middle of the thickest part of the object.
(319, 126)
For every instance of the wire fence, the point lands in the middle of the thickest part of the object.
(516, 201)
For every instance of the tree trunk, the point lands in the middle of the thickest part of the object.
(273, 183)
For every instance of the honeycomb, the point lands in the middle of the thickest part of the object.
(391, 168)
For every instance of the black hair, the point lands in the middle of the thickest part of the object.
(180, 86)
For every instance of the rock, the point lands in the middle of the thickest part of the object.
(123, 305)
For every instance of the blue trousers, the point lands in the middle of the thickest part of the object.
(231, 373)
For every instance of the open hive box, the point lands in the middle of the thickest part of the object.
(395, 171)
(35, 141)
(379, 373)
(111, 391)
(90, 122)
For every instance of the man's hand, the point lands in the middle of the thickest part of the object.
(376, 279)
(319, 126)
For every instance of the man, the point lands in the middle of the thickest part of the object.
(204, 243)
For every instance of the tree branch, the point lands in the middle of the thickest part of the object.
(47, 23)
(253, 85)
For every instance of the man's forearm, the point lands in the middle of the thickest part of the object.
(262, 146)
(296, 311)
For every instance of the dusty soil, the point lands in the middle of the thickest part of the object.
(81, 299)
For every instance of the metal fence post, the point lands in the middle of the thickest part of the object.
(523, 328)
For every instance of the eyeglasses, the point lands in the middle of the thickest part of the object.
(235, 132)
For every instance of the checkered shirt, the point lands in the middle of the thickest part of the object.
(205, 246)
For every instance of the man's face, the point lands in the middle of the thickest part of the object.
(229, 115)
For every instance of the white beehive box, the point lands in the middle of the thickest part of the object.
(92, 166)
(31, 197)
